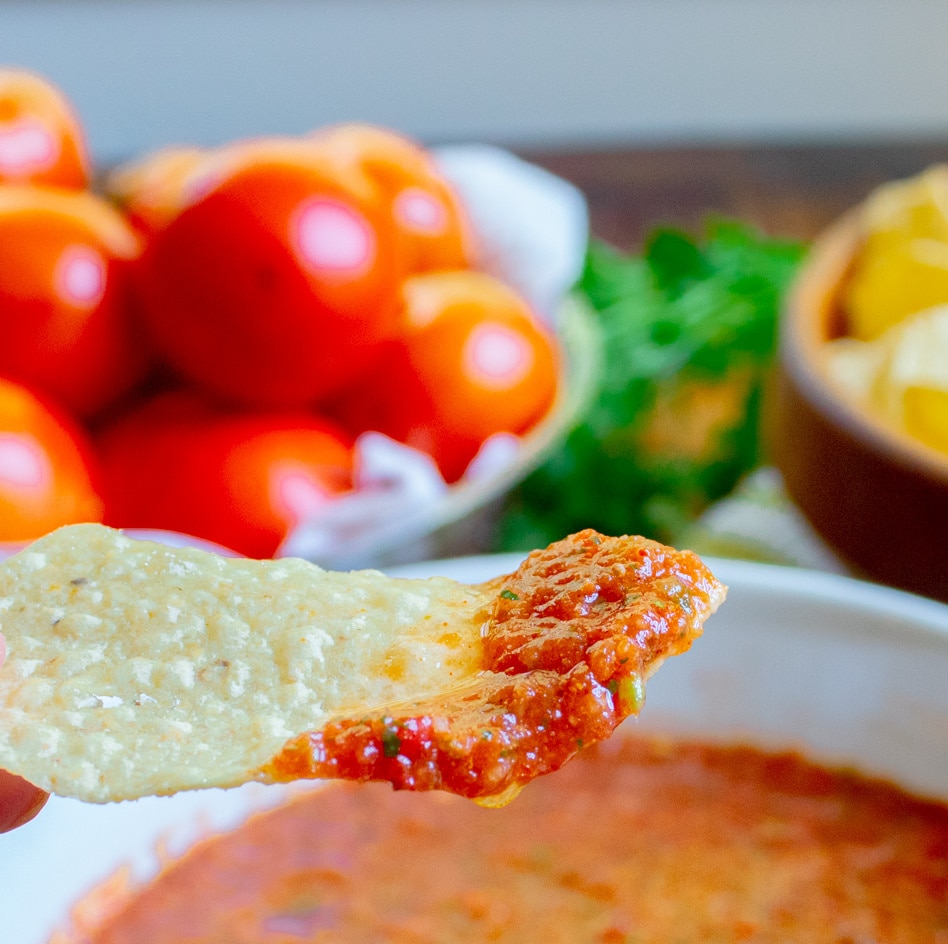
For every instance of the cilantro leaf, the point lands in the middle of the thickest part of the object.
(688, 331)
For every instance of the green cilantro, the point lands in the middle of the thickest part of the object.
(509, 595)
(686, 322)
(391, 742)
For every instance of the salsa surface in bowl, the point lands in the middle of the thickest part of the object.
(641, 840)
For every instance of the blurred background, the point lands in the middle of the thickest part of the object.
(536, 75)
(528, 73)
(665, 115)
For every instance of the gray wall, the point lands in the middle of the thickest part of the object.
(150, 72)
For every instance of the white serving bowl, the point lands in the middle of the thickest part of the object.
(850, 673)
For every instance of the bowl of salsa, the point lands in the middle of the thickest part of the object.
(786, 781)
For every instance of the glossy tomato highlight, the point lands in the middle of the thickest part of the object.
(274, 286)
(472, 361)
(41, 139)
(421, 203)
(47, 474)
(65, 314)
(242, 480)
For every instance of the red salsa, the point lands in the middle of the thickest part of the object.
(569, 641)
(637, 842)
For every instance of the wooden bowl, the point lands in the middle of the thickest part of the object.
(877, 496)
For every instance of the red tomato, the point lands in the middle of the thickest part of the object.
(422, 205)
(41, 140)
(153, 190)
(64, 301)
(140, 450)
(47, 475)
(273, 287)
(472, 361)
(243, 480)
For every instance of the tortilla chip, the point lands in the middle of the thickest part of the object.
(135, 669)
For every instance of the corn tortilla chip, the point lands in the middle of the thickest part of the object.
(135, 669)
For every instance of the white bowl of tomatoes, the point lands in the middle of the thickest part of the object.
(336, 345)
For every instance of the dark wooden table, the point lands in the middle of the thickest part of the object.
(790, 190)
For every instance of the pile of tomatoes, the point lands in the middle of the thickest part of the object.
(197, 344)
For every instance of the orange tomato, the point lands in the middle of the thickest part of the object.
(152, 191)
(64, 296)
(41, 140)
(472, 361)
(421, 203)
(273, 286)
(47, 475)
(242, 480)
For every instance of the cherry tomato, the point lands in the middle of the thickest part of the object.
(139, 451)
(153, 190)
(41, 140)
(242, 480)
(48, 477)
(64, 296)
(472, 361)
(273, 286)
(422, 205)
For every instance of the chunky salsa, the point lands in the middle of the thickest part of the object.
(637, 842)
(569, 639)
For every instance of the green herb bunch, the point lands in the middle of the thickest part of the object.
(688, 333)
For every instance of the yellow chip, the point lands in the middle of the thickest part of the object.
(926, 416)
(902, 265)
(902, 376)
(916, 208)
(894, 280)
(854, 366)
(134, 668)
(914, 355)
